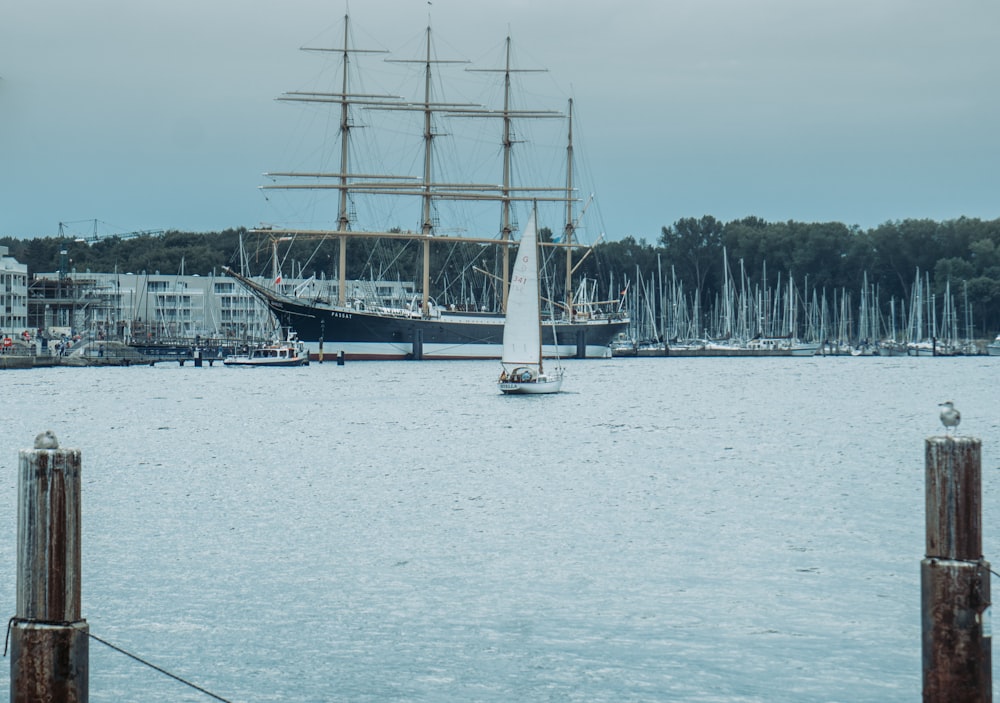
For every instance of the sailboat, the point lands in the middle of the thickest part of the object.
(425, 329)
(522, 329)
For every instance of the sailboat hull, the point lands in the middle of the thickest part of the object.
(538, 386)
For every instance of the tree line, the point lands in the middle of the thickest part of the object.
(828, 256)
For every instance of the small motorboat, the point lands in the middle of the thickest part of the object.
(290, 352)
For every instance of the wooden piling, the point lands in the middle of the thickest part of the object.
(954, 577)
(322, 334)
(49, 640)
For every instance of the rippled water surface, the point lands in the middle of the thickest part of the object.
(663, 530)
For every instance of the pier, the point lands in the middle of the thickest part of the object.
(120, 354)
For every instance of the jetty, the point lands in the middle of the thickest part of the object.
(116, 354)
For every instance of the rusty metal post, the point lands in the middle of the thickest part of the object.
(954, 577)
(49, 641)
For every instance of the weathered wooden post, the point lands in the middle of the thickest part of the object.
(954, 577)
(49, 641)
(322, 333)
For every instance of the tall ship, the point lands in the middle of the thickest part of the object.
(578, 321)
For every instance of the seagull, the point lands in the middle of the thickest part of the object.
(950, 417)
(46, 440)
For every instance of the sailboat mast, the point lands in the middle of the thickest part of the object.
(538, 292)
(570, 226)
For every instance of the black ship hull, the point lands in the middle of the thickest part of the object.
(329, 331)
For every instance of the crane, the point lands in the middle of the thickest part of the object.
(96, 237)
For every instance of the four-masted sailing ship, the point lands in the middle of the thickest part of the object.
(583, 326)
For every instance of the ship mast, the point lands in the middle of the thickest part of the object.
(345, 99)
(425, 187)
(506, 189)
(508, 144)
(426, 226)
(345, 133)
(570, 225)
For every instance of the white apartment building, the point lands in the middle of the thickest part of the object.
(13, 295)
(141, 307)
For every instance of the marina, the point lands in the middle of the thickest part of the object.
(688, 539)
(673, 524)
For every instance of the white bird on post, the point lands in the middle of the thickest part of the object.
(950, 416)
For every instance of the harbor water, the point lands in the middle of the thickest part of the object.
(704, 530)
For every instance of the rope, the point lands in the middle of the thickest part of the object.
(10, 624)
(31, 621)
(6, 641)
(979, 562)
(162, 671)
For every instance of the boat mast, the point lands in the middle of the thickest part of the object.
(427, 227)
(345, 99)
(345, 138)
(538, 293)
(506, 188)
(505, 229)
(343, 221)
(427, 189)
(570, 226)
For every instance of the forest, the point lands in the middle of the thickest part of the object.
(830, 258)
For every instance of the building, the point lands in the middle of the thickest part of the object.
(13, 295)
(145, 307)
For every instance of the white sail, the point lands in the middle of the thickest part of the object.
(522, 342)
(522, 329)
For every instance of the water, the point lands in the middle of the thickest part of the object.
(667, 529)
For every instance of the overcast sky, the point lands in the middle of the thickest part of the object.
(161, 115)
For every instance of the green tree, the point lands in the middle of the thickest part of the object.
(694, 247)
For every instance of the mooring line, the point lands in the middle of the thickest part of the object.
(6, 640)
(30, 621)
(154, 666)
(978, 562)
(10, 624)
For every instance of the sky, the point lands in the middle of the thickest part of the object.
(161, 115)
